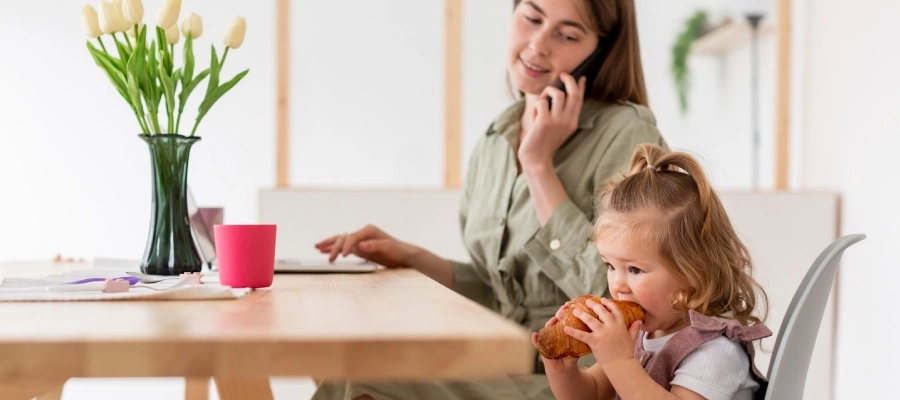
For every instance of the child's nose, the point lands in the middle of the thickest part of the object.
(617, 283)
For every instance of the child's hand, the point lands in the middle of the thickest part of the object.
(610, 340)
(555, 367)
(560, 312)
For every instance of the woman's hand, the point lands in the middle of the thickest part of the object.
(560, 366)
(369, 243)
(610, 340)
(553, 126)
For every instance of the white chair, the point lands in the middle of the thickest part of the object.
(797, 336)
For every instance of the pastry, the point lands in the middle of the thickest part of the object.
(554, 343)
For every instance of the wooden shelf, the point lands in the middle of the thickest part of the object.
(728, 36)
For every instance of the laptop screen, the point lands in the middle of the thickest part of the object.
(202, 221)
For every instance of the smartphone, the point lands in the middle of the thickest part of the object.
(588, 68)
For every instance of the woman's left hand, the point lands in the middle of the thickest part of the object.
(610, 340)
(553, 126)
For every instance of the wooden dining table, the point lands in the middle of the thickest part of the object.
(392, 324)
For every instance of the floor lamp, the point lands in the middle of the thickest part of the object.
(754, 19)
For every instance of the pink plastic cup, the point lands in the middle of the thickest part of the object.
(245, 255)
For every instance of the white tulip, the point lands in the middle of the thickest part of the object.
(123, 24)
(172, 35)
(108, 17)
(167, 15)
(90, 21)
(193, 24)
(133, 11)
(234, 36)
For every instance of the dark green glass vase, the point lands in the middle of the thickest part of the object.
(170, 244)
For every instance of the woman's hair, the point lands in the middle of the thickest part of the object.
(621, 77)
(691, 230)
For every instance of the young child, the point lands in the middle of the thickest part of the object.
(667, 245)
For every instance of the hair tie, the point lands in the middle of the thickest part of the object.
(650, 166)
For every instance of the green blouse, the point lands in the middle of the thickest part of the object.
(518, 268)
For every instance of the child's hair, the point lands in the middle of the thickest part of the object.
(691, 230)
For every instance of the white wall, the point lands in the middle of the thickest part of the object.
(394, 135)
(850, 144)
(367, 93)
(485, 92)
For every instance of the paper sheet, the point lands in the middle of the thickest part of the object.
(31, 289)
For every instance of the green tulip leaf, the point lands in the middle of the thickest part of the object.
(214, 69)
(169, 90)
(135, 96)
(188, 61)
(112, 70)
(215, 96)
(124, 54)
(97, 53)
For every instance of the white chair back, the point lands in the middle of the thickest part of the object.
(797, 336)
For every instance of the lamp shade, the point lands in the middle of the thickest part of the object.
(752, 7)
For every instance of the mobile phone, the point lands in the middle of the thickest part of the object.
(588, 68)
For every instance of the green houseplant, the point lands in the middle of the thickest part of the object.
(694, 27)
(144, 68)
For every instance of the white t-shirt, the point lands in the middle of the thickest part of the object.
(718, 369)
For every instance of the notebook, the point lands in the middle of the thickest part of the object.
(204, 240)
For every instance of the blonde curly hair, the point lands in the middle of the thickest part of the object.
(692, 232)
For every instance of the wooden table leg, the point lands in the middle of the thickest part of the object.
(27, 389)
(237, 389)
(196, 388)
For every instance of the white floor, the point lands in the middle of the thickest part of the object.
(168, 388)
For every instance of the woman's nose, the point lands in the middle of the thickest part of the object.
(540, 42)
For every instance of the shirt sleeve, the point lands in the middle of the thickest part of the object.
(718, 369)
(563, 247)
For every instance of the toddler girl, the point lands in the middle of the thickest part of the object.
(667, 245)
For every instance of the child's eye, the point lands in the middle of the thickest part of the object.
(609, 267)
(635, 270)
(534, 21)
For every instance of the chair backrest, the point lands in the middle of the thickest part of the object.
(797, 336)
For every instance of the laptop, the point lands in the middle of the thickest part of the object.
(203, 219)
(322, 266)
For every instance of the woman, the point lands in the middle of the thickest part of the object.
(527, 205)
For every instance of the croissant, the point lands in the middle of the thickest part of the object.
(554, 343)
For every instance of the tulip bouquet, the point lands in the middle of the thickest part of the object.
(145, 73)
